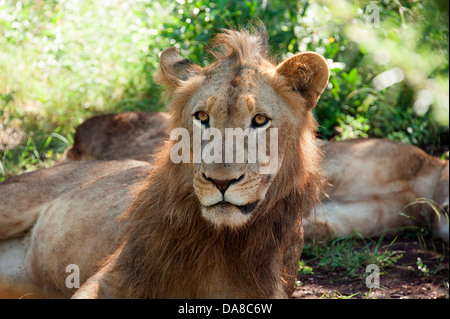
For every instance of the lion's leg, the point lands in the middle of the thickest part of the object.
(366, 216)
(15, 282)
(24, 197)
(102, 285)
(18, 211)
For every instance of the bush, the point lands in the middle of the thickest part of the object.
(413, 110)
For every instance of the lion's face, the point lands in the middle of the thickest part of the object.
(230, 188)
(242, 93)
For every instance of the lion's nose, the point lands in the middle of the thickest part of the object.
(223, 184)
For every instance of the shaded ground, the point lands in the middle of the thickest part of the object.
(405, 279)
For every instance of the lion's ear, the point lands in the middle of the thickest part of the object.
(174, 68)
(307, 73)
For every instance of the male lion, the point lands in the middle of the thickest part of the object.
(375, 186)
(192, 230)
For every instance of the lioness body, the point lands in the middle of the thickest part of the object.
(126, 135)
(378, 186)
(33, 262)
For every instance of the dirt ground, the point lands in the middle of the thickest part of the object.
(402, 280)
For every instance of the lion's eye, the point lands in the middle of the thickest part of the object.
(202, 117)
(260, 120)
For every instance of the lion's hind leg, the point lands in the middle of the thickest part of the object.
(24, 197)
(19, 207)
(15, 223)
(14, 280)
(367, 217)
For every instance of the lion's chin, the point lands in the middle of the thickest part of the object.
(226, 214)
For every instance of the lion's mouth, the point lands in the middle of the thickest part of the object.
(245, 209)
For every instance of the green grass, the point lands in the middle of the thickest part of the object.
(63, 62)
(69, 60)
(349, 256)
(303, 268)
(337, 295)
(36, 143)
(439, 249)
(346, 259)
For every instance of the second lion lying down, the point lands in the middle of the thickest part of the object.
(374, 185)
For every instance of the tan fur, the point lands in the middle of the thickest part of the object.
(63, 215)
(378, 186)
(166, 243)
(118, 136)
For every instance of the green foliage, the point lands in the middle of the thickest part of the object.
(337, 295)
(303, 268)
(351, 107)
(69, 60)
(349, 256)
(422, 267)
(35, 144)
(64, 61)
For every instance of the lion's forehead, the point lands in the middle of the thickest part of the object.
(232, 77)
(230, 112)
(241, 88)
(234, 94)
